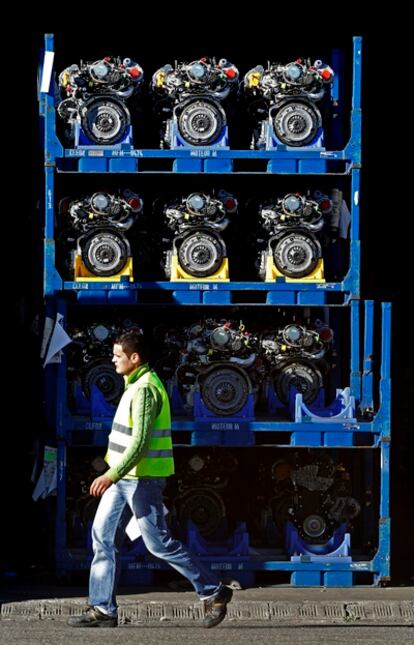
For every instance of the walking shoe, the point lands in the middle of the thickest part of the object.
(215, 608)
(93, 618)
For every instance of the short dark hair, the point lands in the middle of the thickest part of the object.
(133, 341)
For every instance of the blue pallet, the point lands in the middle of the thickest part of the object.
(222, 161)
(370, 430)
(221, 294)
(234, 559)
(128, 159)
(205, 293)
(238, 561)
(79, 431)
(280, 292)
(246, 571)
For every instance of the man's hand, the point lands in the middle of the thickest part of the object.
(100, 485)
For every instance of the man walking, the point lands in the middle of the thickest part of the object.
(140, 457)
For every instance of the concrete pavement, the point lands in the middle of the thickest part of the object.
(317, 605)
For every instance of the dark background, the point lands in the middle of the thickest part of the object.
(386, 234)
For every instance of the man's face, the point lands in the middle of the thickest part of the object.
(124, 365)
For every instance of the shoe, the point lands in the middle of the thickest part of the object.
(215, 608)
(93, 618)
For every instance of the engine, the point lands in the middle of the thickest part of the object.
(293, 224)
(197, 222)
(216, 358)
(314, 493)
(282, 102)
(189, 99)
(298, 357)
(95, 97)
(98, 229)
(205, 490)
(89, 362)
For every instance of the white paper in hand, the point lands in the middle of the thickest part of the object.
(132, 528)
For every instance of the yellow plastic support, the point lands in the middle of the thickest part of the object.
(178, 273)
(82, 274)
(272, 272)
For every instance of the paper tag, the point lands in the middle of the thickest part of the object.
(132, 528)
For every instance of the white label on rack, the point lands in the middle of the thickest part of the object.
(47, 71)
(225, 426)
(203, 153)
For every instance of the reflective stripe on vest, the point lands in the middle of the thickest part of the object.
(158, 461)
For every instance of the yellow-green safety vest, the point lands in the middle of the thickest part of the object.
(158, 461)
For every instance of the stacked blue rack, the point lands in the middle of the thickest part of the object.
(288, 481)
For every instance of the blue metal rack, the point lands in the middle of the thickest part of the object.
(367, 426)
(127, 159)
(234, 558)
(280, 292)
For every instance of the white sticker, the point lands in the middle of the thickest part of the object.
(47, 72)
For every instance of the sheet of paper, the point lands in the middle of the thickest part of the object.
(132, 528)
(47, 481)
(47, 71)
(59, 339)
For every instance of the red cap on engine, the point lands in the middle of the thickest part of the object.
(134, 72)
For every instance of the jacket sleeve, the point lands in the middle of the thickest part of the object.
(146, 406)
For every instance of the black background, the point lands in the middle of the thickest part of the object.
(386, 226)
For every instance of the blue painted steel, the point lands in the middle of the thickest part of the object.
(306, 167)
(51, 279)
(93, 164)
(367, 402)
(187, 164)
(209, 294)
(324, 573)
(355, 348)
(61, 556)
(216, 298)
(237, 544)
(218, 293)
(338, 546)
(310, 430)
(49, 374)
(90, 426)
(222, 432)
(233, 556)
(123, 165)
(386, 342)
(309, 297)
(342, 407)
(96, 407)
(218, 165)
(280, 161)
(284, 166)
(202, 413)
(316, 160)
(52, 146)
(282, 297)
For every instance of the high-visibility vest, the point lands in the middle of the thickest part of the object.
(158, 460)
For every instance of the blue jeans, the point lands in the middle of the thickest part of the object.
(142, 497)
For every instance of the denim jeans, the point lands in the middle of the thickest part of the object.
(142, 497)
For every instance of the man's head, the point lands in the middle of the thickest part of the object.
(129, 352)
